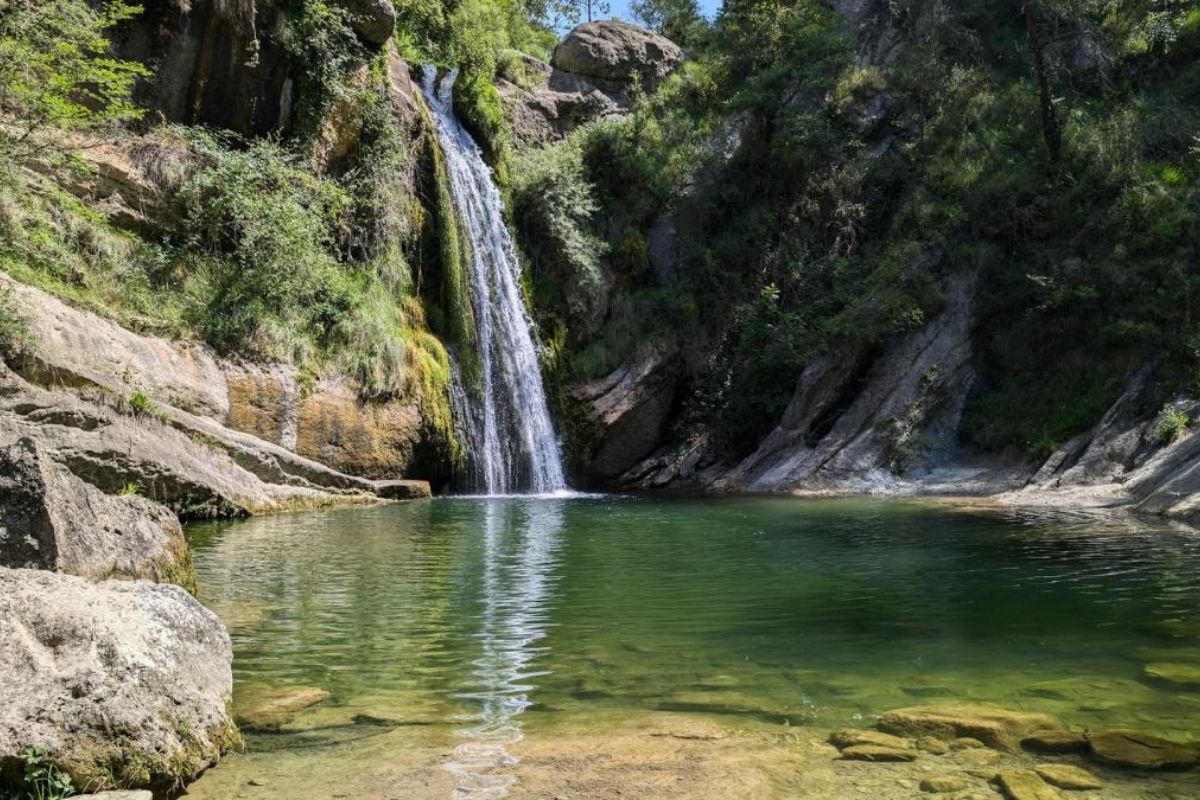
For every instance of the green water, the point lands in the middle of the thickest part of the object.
(498, 618)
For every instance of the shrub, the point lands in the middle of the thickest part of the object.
(1172, 423)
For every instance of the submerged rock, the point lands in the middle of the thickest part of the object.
(944, 784)
(874, 752)
(274, 707)
(50, 519)
(1180, 677)
(851, 737)
(932, 745)
(996, 727)
(1024, 784)
(1136, 750)
(1068, 776)
(125, 684)
(1055, 741)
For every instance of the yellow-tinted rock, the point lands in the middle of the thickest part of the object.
(855, 736)
(944, 784)
(994, 726)
(1135, 750)
(932, 745)
(275, 707)
(872, 752)
(1068, 776)
(1180, 677)
(1055, 741)
(1024, 784)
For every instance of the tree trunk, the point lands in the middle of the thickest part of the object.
(1050, 127)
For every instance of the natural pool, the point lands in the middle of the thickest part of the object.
(454, 634)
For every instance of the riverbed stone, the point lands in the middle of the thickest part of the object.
(874, 752)
(126, 684)
(270, 708)
(932, 745)
(1175, 676)
(944, 784)
(966, 743)
(132, 795)
(1025, 784)
(1068, 776)
(851, 737)
(1137, 750)
(1055, 741)
(994, 726)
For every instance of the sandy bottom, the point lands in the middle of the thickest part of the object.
(643, 755)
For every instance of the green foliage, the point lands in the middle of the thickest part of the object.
(14, 329)
(141, 405)
(56, 71)
(319, 36)
(1172, 423)
(129, 489)
(44, 781)
(678, 20)
(553, 206)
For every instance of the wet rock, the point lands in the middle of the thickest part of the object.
(1055, 741)
(1068, 776)
(966, 743)
(125, 683)
(270, 708)
(136, 795)
(851, 737)
(932, 745)
(50, 519)
(614, 51)
(1178, 677)
(403, 490)
(1136, 750)
(944, 784)
(996, 727)
(873, 752)
(1024, 784)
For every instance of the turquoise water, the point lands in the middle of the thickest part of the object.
(502, 617)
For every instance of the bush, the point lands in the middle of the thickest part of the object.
(1172, 423)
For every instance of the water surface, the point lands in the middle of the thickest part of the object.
(484, 621)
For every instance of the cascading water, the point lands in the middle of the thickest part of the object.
(503, 417)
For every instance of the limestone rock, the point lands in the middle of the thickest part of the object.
(1179, 677)
(50, 519)
(944, 784)
(403, 490)
(1055, 741)
(124, 683)
(613, 50)
(966, 743)
(932, 745)
(851, 737)
(1068, 776)
(874, 752)
(996, 727)
(1135, 750)
(1024, 784)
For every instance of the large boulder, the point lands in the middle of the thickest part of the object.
(373, 20)
(50, 519)
(1136, 750)
(996, 727)
(124, 684)
(616, 51)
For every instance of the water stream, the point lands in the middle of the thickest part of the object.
(503, 417)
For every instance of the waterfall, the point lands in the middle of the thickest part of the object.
(502, 416)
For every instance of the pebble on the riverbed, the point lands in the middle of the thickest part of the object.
(1055, 741)
(859, 736)
(1025, 784)
(944, 784)
(872, 752)
(1068, 776)
(932, 745)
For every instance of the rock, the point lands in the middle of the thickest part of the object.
(627, 410)
(373, 20)
(996, 727)
(932, 745)
(1178, 677)
(614, 51)
(1024, 784)
(124, 683)
(851, 737)
(966, 743)
(50, 519)
(1136, 750)
(1068, 776)
(135, 795)
(1055, 741)
(274, 707)
(874, 752)
(944, 784)
(403, 490)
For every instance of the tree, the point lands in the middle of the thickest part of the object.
(1051, 130)
(678, 20)
(56, 70)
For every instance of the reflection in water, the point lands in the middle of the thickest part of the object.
(520, 555)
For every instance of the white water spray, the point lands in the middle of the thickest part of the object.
(504, 419)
